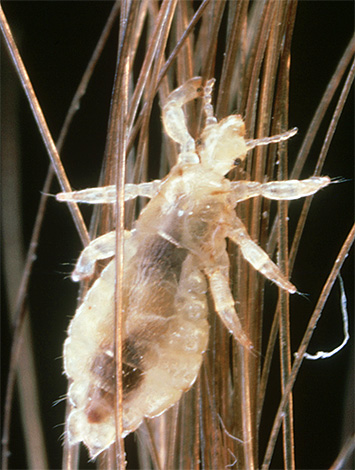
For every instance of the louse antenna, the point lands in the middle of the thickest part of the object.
(207, 99)
(271, 140)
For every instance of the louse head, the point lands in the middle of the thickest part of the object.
(222, 145)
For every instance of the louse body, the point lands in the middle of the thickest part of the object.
(176, 251)
(165, 334)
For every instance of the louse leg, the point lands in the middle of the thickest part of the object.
(257, 257)
(174, 118)
(278, 190)
(107, 194)
(224, 304)
(101, 248)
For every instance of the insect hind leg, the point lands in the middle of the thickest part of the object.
(101, 248)
(224, 304)
(257, 257)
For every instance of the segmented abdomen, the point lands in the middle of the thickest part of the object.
(165, 334)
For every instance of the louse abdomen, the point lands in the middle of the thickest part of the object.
(101, 395)
(175, 333)
(165, 334)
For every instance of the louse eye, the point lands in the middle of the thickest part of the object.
(237, 161)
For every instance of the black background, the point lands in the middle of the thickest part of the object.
(56, 40)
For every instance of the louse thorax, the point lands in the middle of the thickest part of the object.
(191, 210)
(222, 144)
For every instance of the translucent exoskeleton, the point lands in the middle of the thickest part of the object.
(175, 252)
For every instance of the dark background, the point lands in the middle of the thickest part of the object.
(56, 40)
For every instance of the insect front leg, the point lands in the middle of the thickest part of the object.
(107, 194)
(257, 257)
(174, 118)
(101, 248)
(278, 190)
